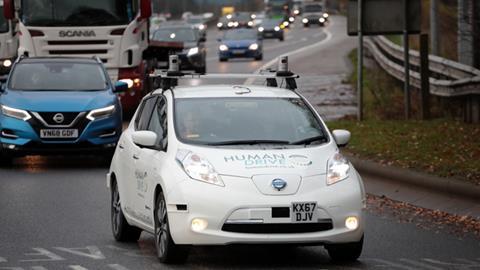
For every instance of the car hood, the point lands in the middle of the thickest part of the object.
(62, 101)
(239, 43)
(251, 162)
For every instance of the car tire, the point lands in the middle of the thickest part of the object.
(201, 70)
(281, 38)
(306, 25)
(167, 251)
(223, 59)
(348, 252)
(5, 161)
(122, 231)
(259, 58)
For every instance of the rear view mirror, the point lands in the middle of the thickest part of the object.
(120, 87)
(145, 138)
(342, 137)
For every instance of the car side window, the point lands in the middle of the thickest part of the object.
(158, 122)
(143, 118)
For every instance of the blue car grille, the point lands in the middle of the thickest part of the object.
(68, 117)
(72, 120)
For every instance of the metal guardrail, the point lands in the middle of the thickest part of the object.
(447, 78)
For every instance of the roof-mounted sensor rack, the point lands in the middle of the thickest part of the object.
(169, 79)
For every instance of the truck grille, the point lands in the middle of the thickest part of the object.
(77, 42)
(67, 52)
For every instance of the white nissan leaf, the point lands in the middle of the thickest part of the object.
(222, 164)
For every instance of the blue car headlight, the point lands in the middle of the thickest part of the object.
(15, 113)
(101, 113)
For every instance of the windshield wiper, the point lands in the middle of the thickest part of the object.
(248, 142)
(308, 141)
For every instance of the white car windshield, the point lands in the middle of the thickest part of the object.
(243, 121)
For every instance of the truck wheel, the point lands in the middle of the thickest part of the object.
(348, 252)
(281, 38)
(306, 25)
(122, 231)
(223, 59)
(259, 58)
(201, 70)
(167, 250)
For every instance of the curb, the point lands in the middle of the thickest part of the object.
(444, 185)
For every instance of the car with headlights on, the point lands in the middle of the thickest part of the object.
(198, 22)
(59, 105)
(271, 28)
(234, 164)
(240, 43)
(313, 14)
(182, 40)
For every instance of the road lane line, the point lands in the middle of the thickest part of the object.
(39, 268)
(117, 267)
(390, 264)
(2, 260)
(43, 252)
(91, 252)
(420, 264)
(77, 267)
(300, 50)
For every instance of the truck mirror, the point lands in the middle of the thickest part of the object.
(9, 9)
(145, 9)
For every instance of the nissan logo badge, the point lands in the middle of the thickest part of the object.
(58, 118)
(279, 184)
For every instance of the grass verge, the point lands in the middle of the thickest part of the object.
(443, 147)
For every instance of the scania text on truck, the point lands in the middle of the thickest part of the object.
(114, 30)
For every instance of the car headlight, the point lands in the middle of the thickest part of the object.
(253, 47)
(236, 24)
(291, 19)
(261, 29)
(325, 15)
(230, 24)
(305, 20)
(192, 51)
(337, 169)
(7, 63)
(322, 20)
(198, 168)
(286, 24)
(296, 12)
(277, 28)
(15, 113)
(101, 113)
(201, 27)
(219, 25)
(250, 23)
(223, 48)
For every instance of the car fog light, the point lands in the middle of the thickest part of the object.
(199, 224)
(351, 223)
(7, 63)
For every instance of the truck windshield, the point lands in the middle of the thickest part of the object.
(313, 8)
(57, 76)
(3, 22)
(240, 120)
(78, 13)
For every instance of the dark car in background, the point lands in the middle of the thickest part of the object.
(198, 22)
(243, 20)
(271, 28)
(182, 40)
(240, 43)
(313, 13)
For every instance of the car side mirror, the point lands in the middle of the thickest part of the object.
(120, 87)
(145, 138)
(3, 86)
(342, 137)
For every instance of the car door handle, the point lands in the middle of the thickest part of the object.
(121, 146)
(135, 156)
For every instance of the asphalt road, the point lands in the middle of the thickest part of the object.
(54, 214)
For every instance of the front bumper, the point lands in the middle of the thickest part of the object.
(239, 53)
(240, 203)
(272, 34)
(20, 138)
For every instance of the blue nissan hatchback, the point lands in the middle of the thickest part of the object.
(58, 106)
(241, 43)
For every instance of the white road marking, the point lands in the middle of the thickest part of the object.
(385, 263)
(303, 49)
(11, 268)
(130, 253)
(444, 263)
(77, 267)
(117, 267)
(420, 264)
(470, 262)
(2, 260)
(91, 252)
(39, 268)
(45, 253)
